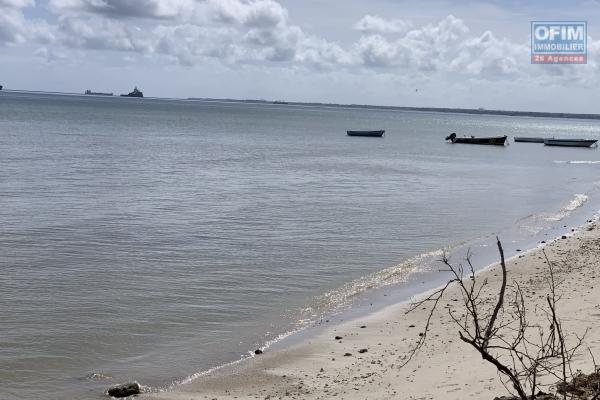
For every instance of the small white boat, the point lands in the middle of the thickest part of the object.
(570, 142)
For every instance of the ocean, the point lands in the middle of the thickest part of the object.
(151, 240)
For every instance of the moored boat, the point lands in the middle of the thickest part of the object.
(570, 142)
(366, 133)
(494, 140)
(529, 139)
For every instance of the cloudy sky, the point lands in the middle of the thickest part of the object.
(443, 53)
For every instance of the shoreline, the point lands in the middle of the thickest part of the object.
(317, 368)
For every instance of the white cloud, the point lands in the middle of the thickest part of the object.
(376, 24)
(261, 33)
(101, 34)
(255, 13)
(126, 8)
(490, 58)
(424, 49)
(12, 27)
(435, 41)
(377, 51)
(16, 29)
(188, 44)
(250, 13)
(237, 31)
(322, 54)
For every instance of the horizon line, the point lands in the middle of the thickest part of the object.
(476, 111)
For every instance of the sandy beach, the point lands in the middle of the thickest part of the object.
(445, 368)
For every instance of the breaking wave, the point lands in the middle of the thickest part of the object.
(535, 223)
(578, 162)
(578, 201)
(341, 297)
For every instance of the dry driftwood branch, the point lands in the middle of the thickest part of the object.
(502, 334)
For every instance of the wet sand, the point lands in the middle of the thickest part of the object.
(324, 367)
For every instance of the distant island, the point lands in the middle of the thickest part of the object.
(477, 111)
(480, 110)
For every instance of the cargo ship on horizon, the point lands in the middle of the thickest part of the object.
(89, 92)
(136, 93)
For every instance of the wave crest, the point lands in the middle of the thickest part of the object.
(578, 201)
(578, 162)
(336, 299)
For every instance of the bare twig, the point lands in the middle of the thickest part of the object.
(504, 337)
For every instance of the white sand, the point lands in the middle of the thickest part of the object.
(445, 368)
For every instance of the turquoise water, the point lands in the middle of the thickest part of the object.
(149, 239)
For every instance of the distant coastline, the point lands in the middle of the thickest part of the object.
(477, 111)
(474, 111)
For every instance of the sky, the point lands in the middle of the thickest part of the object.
(438, 53)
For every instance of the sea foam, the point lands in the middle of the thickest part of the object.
(578, 201)
(578, 162)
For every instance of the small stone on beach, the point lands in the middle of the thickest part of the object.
(125, 390)
(258, 351)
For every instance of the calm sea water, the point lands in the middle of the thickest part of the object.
(149, 239)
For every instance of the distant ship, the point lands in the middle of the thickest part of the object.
(136, 93)
(280, 102)
(1, 87)
(89, 92)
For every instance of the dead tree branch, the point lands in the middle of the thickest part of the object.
(501, 332)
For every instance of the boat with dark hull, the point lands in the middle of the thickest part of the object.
(494, 140)
(1, 87)
(366, 133)
(529, 139)
(136, 93)
(570, 142)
